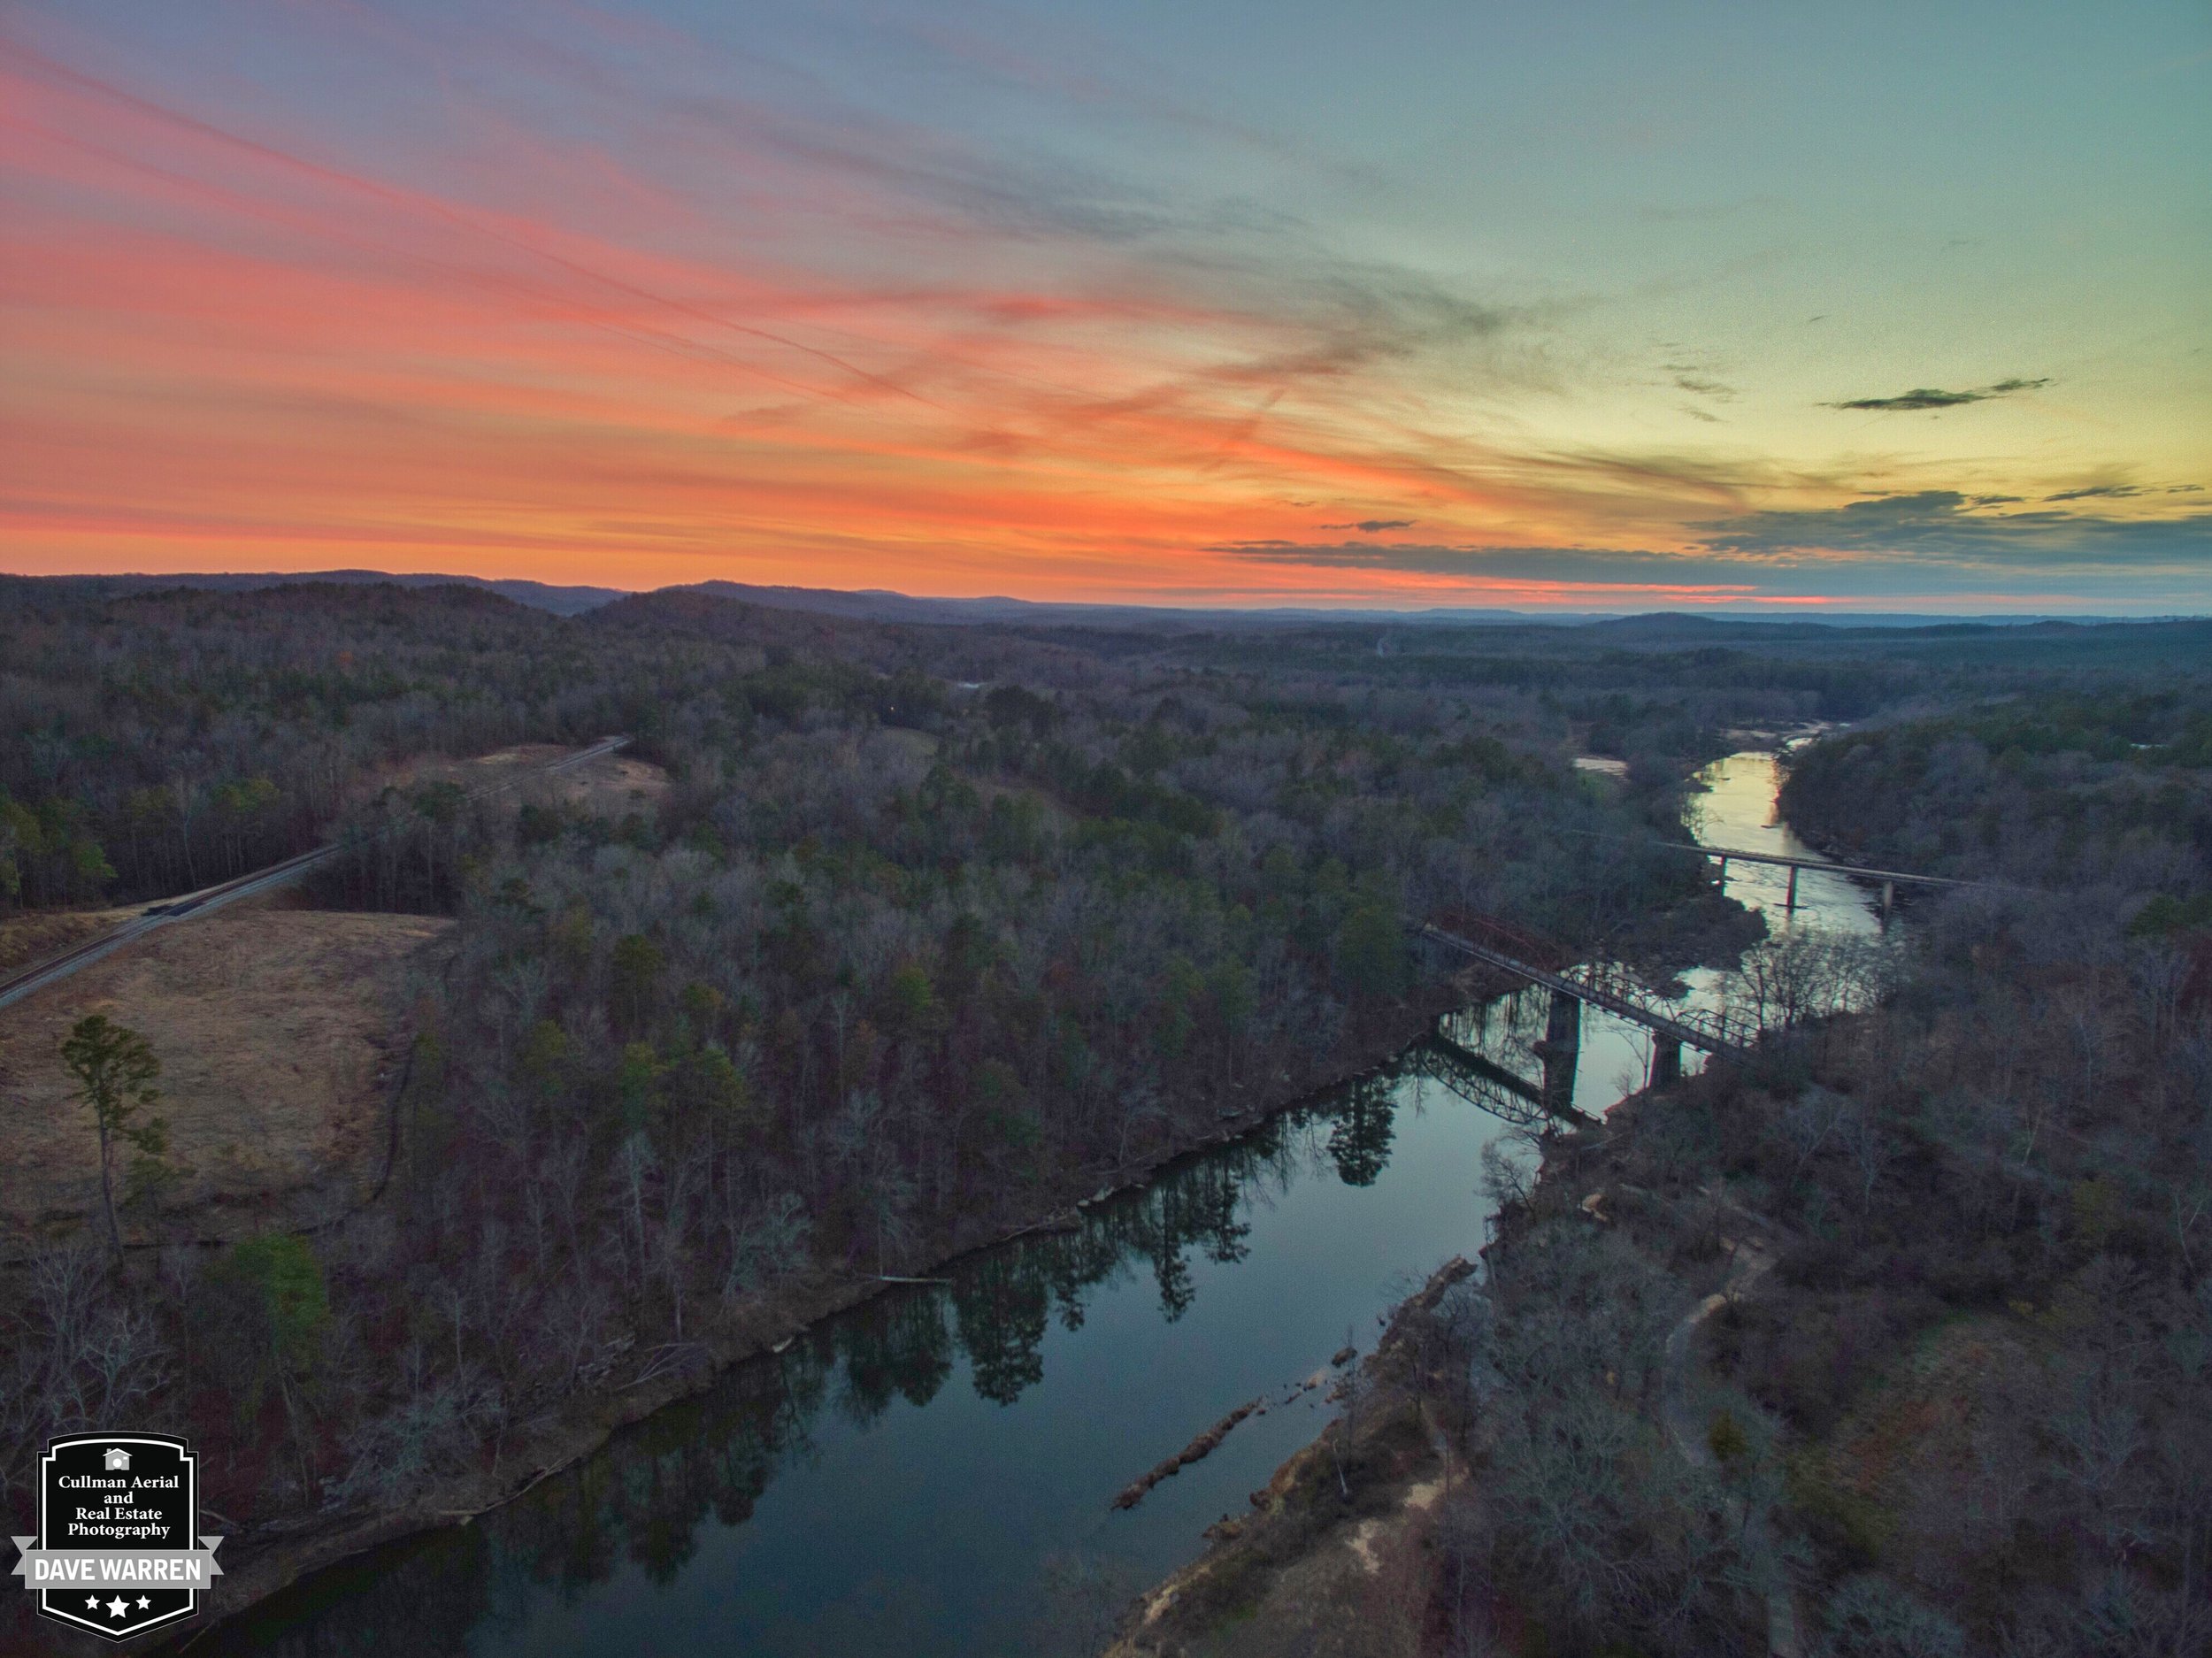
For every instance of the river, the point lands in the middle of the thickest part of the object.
(932, 1472)
(1737, 809)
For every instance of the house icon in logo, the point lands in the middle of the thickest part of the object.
(118, 1460)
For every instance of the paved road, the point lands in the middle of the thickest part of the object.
(210, 899)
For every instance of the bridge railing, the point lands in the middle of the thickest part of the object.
(1611, 978)
(1502, 935)
(1728, 1027)
(1471, 1086)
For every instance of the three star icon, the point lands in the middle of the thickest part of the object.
(118, 1606)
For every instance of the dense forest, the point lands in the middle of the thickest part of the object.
(1965, 1364)
(937, 928)
(934, 930)
(2108, 786)
(1896, 1342)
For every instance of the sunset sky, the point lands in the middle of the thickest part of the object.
(1599, 307)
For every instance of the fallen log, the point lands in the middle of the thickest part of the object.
(1197, 1450)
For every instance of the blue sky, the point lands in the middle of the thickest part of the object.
(1594, 306)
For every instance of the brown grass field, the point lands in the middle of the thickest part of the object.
(279, 1031)
(608, 786)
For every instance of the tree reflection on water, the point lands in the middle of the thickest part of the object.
(645, 1498)
(1359, 1140)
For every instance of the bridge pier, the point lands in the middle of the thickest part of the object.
(1562, 1047)
(1617, 994)
(1889, 897)
(1789, 903)
(1666, 1062)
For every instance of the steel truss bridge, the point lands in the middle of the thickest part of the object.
(1602, 985)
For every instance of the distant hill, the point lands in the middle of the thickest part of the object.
(537, 594)
(881, 604)
(1717, 625)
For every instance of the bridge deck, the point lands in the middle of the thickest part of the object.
(1597, 996)
(1739, 855)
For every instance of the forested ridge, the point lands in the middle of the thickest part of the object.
(1964, 1363)
(2112, 784)
(935, 930)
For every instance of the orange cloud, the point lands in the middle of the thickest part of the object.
(229, 348)
(719, 337)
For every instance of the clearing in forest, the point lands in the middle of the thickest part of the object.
(278, 1032)
(606, 786)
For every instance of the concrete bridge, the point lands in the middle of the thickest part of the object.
(1890, 879)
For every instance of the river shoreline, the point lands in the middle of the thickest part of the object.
(1301, 1522)
(587, 1420)
(1301, 1526)
(1705, 928)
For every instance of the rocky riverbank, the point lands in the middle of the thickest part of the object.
(1334, 1557)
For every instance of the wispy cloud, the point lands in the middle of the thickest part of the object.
(856, 295)
(676, 318)
(2112, 492)
(1930, 544)
(1926, 397)
(1942, 525)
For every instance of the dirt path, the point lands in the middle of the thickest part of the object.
(1747, 1265)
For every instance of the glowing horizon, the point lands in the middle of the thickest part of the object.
(1141, 307)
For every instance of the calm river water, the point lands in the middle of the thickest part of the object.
(931, 1474)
